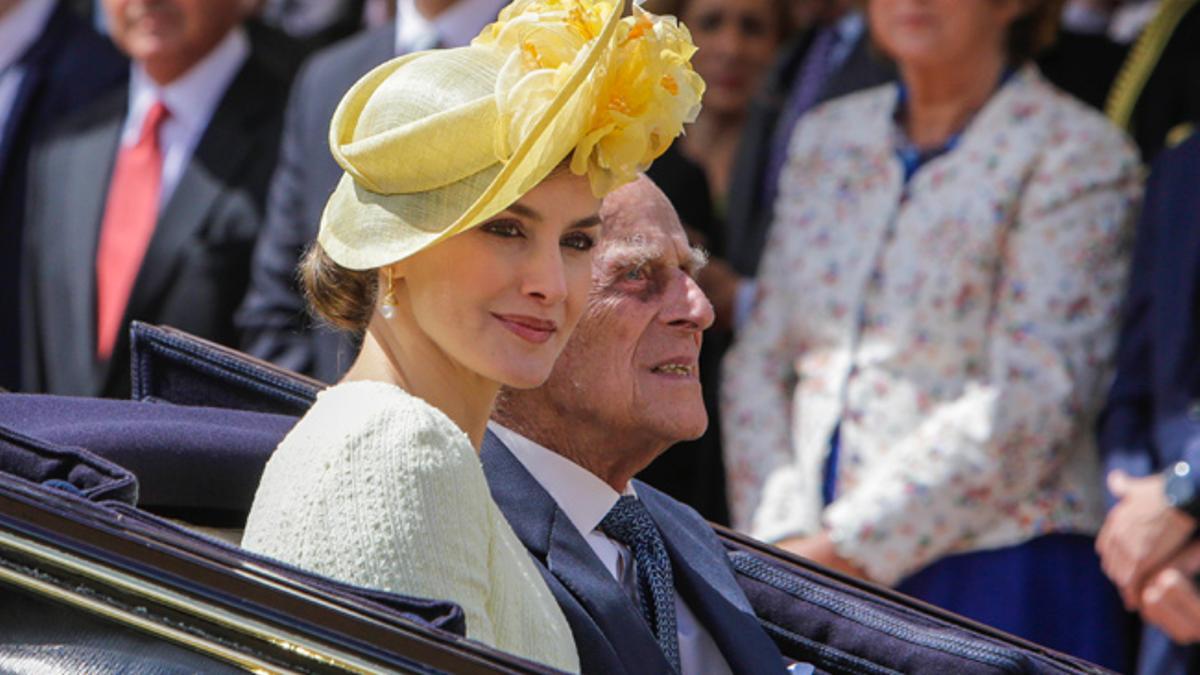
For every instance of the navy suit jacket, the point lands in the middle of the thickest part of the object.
(609, 631)
(1153, 414)
(273, 317)
(67, 67)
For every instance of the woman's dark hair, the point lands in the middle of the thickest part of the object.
(1034, 31)
(342, 297)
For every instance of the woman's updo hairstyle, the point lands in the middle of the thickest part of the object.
(342, 297)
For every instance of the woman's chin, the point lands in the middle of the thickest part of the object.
(524, 378)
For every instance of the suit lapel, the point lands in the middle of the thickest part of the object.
(32, 67)
(704, 580)
(30, 78)
(574, 563)
(551, 538)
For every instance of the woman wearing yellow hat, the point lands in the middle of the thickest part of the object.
(457, 243)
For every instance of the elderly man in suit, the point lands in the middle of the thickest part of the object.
(50, 63)
(642, 579)
(145, 205)
(273, 318)
(1150, 430)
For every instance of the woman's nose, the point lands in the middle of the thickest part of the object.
(543, 276)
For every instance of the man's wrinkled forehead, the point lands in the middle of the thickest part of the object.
(641, 226)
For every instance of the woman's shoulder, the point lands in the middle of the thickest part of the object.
(370, 414)
(1064, 124)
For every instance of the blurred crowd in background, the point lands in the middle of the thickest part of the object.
(955, 246)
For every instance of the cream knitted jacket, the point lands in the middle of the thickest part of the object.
(377, 488)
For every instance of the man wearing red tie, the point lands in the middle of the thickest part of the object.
(145, 205)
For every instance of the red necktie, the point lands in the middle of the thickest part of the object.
(129, 219)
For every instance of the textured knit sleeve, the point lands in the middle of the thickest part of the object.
(977, 459)
(380, 495)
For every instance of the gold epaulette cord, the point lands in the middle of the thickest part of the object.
(1139, 65)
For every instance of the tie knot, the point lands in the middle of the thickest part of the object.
(629, 522)
(157, 114)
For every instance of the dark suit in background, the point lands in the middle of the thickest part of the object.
(273, 318)
(196, 268)
(748, 217)
(610, 633)
(1083, 65)
(1153, 415)
(65, 69)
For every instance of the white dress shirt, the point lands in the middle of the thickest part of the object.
(20, 27)
(191, 100)
(586, 499)
(454, 27)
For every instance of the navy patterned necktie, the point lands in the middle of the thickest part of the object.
(630, 524)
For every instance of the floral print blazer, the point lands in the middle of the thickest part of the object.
(959, 328)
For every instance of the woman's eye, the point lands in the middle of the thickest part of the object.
(502, 228)
(580, 241)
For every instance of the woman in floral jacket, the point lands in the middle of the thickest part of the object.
(912, 400)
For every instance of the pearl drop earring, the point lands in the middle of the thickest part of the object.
(388, 307)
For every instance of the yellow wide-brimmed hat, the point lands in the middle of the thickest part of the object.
(434, 143)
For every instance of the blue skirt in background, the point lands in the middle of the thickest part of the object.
(1049, 590)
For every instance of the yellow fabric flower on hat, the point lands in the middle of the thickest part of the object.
(647, 92)
(628, 112)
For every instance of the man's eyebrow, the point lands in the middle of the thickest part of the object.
(631, 252)
(697, 259)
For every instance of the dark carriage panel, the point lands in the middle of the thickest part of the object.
(41, 635)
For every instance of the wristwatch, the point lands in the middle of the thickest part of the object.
(1180, 489)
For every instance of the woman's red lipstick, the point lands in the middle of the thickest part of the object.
(529, 328)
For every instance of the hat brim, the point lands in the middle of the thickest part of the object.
(361, 229)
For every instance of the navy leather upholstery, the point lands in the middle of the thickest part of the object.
(170, 365)
(64, 467)
(186, 459)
